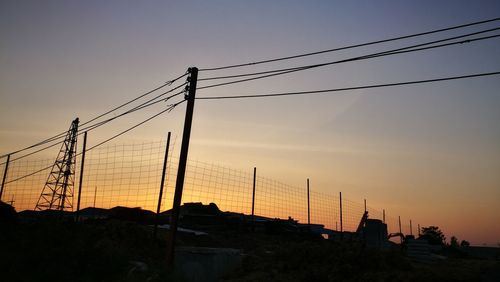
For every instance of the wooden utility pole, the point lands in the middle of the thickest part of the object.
(181, 172)
(4, 175)
(82, 166)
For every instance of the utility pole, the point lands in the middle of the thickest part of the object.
(4, 175)
(181, 172)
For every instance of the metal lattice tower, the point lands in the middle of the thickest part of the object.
(57, 194)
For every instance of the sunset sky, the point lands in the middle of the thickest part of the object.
(430, 152)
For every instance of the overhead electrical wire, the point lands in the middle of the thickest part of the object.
(168, 83)
(407, 49)
(63, 134)
(283, 71)
(30, 174)
(143, 105)
(94, 126)
(350, 47)
(169, 109)
(348, 88)
(378, 53)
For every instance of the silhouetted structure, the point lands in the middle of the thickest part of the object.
(57, 194)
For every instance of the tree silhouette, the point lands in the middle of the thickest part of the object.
(433, 235)
(454, 242)
(464, 243)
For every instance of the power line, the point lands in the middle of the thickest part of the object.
(94, 126)
(349, 47)
(370, 56)
(373, 54)
(62, 134)
(275, 73)
(348, 88)
(146, 104)
(169, 109)
(168, 83)
(30, 174)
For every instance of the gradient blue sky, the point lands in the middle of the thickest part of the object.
(430, 152)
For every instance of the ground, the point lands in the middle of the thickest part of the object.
(117, 250)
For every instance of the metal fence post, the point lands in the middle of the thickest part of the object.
(4, 175)
(308, 205)
(341, 223)
(253, 197)
(82, 166)
(411, 228)
(162, 182)
(400, 232)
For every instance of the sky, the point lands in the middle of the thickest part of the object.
(430, 152)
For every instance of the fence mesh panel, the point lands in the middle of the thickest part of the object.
(129, 175)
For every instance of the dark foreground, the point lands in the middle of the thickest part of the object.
(115, 250)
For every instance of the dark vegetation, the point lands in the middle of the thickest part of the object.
(433, 235)
(65, 251)
(122, 248)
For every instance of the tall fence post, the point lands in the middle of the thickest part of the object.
(82, 166)
(181, 172)
(400, 232)
(308, 205)
(162, 182)
(363, 224)
(4, 175)
(253, 197)
(341, 223)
